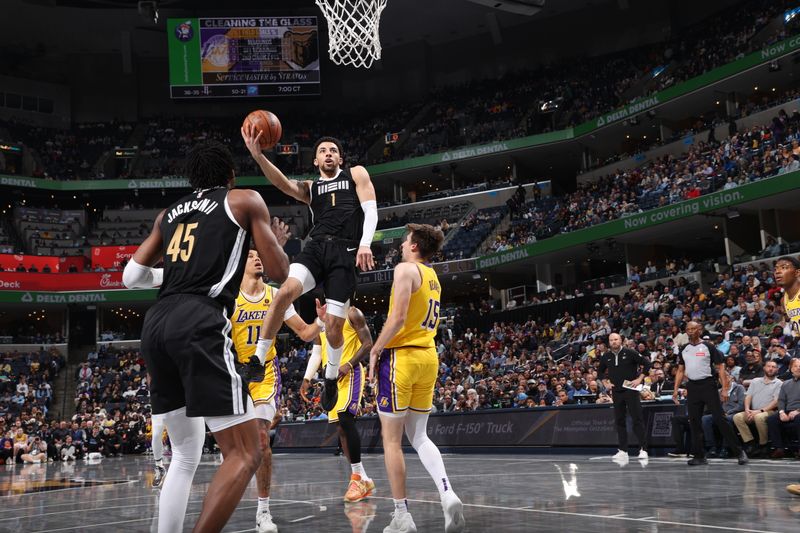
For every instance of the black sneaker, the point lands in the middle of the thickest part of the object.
(712, 453)
(697, 461)
(158, 476)
(330, 394)
(743, 459)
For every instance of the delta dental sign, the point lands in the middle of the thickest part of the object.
(78, 297)
(625, 112)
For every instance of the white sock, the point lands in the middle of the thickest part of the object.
(401, 506)
(160, 463)
(263, 505)
(416, 424)
(358, 468)
(334, 357)
(432, 461)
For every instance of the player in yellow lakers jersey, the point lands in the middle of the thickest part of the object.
(405, 360)
(252, 304)
(787, 276)
(356, 347)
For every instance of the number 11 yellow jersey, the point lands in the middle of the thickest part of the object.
(248, 316)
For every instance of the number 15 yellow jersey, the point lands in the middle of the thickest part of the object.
(422, 319)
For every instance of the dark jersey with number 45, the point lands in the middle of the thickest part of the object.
(205, 249)
(335, 208)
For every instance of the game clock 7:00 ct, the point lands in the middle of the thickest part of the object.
(242, 57)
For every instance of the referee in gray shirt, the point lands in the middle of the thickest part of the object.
(697, 362)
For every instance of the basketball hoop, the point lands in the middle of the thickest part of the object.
(353, 30)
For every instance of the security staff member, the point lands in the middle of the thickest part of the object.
(623, 364)
(699, 362)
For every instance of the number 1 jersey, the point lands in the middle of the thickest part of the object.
(205, 249)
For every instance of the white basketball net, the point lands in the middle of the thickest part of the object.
(353, 30)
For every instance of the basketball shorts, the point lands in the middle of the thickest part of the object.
(190, 358)
(270, 388)
(333, 264)
(351, 389)
(406, 379)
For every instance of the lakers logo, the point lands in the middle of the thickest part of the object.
(384, 401)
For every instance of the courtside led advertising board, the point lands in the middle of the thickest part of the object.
(240, 57)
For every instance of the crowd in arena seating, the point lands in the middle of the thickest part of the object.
(546, 98)
(751, 155)
(69, 154)
(569, 93)
(500, 364)
(25, 399)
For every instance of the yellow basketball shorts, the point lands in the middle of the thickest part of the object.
(406, 379)
(351, 389)
(270, 388)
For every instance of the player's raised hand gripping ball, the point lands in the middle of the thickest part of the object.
(262, 127)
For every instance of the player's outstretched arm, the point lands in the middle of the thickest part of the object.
(306, 332)
(403, 285)
(138, 273)
(314, 361)
(359, 323)
(251, 212)
(298, 190)
(366, 195)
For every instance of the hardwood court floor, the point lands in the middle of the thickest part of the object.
(501, 493)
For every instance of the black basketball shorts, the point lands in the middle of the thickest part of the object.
(190, 358)
(333, 264)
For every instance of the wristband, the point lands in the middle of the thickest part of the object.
(262, 347)
(319, 323)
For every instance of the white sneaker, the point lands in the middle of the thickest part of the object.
(620, 456)
(643, 454)
(401, 523)
(622, 461)
(264, 523)
(453, 513)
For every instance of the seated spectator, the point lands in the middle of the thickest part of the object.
(760, 402)
(543, 397)
(733, 406)
(787, 418)
(753, 367)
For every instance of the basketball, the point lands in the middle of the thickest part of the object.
(268, 124)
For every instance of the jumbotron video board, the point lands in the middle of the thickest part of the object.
(240, 57)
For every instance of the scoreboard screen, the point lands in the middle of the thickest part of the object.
(240, 57)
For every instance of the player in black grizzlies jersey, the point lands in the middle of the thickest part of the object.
(344, 215)
(203, 239)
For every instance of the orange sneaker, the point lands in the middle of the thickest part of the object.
(794, 489)
(358, 489)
